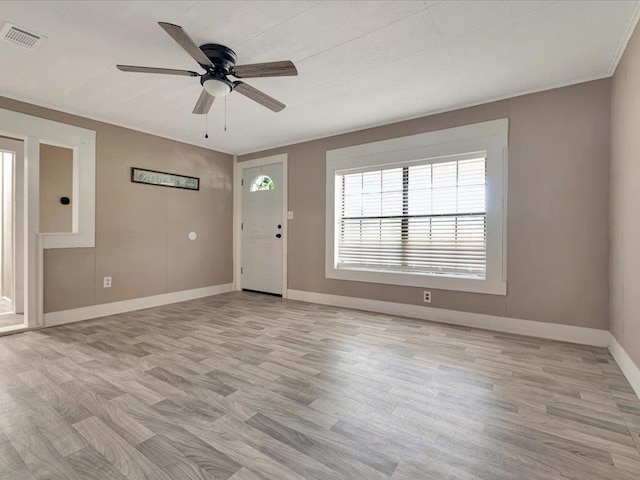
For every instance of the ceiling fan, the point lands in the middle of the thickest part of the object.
(220, 63)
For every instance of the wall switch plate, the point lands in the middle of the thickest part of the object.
(426, 296)
(289, 215)
(106, 282)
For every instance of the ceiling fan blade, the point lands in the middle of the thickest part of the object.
(203, 105)
(167, 71)
(258, 96)
(180, 36)
(285, 68)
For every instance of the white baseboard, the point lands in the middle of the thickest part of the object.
(105, 309)
(628, 367)
(553, 331)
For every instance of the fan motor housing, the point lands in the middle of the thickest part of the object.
(219, 55)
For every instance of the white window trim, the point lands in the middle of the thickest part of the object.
(83, 144)
(490, 137)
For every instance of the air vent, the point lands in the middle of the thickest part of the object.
(20, 36)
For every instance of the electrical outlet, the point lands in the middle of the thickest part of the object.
(289, 215)
(106, 282)
(426, 296)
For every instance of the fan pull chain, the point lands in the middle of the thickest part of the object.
(225, 114)
(206, 125)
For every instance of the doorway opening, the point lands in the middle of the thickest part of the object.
(11, 234)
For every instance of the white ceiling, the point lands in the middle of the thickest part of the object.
(360, 63)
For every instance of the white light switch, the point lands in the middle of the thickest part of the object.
(289, 215)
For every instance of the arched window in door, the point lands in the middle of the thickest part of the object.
(262, 183)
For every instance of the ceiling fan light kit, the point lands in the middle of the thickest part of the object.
(216, 87)
(219, 62)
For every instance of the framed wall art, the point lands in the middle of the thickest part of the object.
(164, 179)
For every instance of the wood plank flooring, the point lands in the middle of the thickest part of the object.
(244, 386)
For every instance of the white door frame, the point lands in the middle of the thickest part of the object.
(33, 131)
(238, 172)
(18, 220)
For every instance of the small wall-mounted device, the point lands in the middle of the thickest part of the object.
(65, 200)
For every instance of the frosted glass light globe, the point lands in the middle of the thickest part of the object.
(216, 88)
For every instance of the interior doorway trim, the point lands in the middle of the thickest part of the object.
(16, 225)
(238, 171)
(33, 131)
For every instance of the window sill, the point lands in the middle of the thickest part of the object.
(441, 282)
(410, 272)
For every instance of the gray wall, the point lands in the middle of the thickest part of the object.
(141, 230)
(56, 180)
(625, 201)
(557, 208)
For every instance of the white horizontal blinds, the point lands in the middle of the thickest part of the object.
(427, 218)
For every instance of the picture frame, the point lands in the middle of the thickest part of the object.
(164, 179)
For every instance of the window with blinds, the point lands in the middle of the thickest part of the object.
(427, 218)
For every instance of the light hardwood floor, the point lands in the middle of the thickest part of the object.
(246, 387)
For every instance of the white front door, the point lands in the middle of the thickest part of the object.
(262, 229)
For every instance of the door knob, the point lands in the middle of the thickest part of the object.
(279, 227)
(278, 235)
